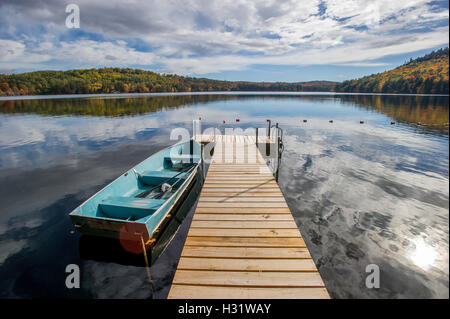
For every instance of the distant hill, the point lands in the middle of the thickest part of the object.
(428, 74)
(425, 75)
(117, 80)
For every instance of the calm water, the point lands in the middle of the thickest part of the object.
(371, 193)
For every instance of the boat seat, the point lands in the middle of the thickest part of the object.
(158, 177)
(129, 207)
(180, 161)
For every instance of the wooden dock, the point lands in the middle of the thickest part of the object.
(243, 241)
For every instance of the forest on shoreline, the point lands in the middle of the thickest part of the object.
(424, 75)
(118, 80)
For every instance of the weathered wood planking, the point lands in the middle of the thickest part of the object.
(243, 241)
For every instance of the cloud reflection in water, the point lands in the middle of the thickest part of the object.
(360, 194)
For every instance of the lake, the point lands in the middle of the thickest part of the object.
(362, 190)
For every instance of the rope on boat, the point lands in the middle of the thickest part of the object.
(147, 268)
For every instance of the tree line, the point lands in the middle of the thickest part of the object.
(427, 74)
(119, 80)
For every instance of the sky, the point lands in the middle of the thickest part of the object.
(257, 40)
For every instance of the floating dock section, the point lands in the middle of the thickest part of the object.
(243, 241)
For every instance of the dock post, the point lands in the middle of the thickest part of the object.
(203, 162)
(276, 130)
(277, 136)
(256, 135)
(268, 129)
(196, 128)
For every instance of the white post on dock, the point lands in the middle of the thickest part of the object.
(196, 128)
(276, 135)
(203, 162)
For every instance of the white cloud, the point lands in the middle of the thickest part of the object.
(200, 36)
(79, 53)
(12, 52)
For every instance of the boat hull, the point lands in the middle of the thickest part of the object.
(105, 248)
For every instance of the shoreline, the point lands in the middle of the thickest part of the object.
(132, 95)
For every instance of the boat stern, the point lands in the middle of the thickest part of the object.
(123, 230)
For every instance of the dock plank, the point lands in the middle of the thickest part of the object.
(244, 232)
(241, 210)
(242, 217)
(218, 241)
(243, 224)
(245, 252)
(240, 190)
(270, 186)
(247, 199)
(244, 264)
(266, 205)
(242, 194)
(212, 292)
(249, 279)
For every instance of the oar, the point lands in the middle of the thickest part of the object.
(171, 186)
(145, 193)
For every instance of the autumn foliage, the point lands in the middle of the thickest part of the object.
(425, 75)
(428, 74)
(118, 80)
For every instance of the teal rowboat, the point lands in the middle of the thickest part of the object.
(138, 204)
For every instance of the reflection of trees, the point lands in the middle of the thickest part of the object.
(106, 106)
(427, 110)
(97, 106)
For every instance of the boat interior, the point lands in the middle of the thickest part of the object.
(140, 192)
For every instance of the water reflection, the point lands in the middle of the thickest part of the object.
(360, 193)
(426, 111)
(107, 106)
(355, 206)
(423, 255)
(429, 111)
